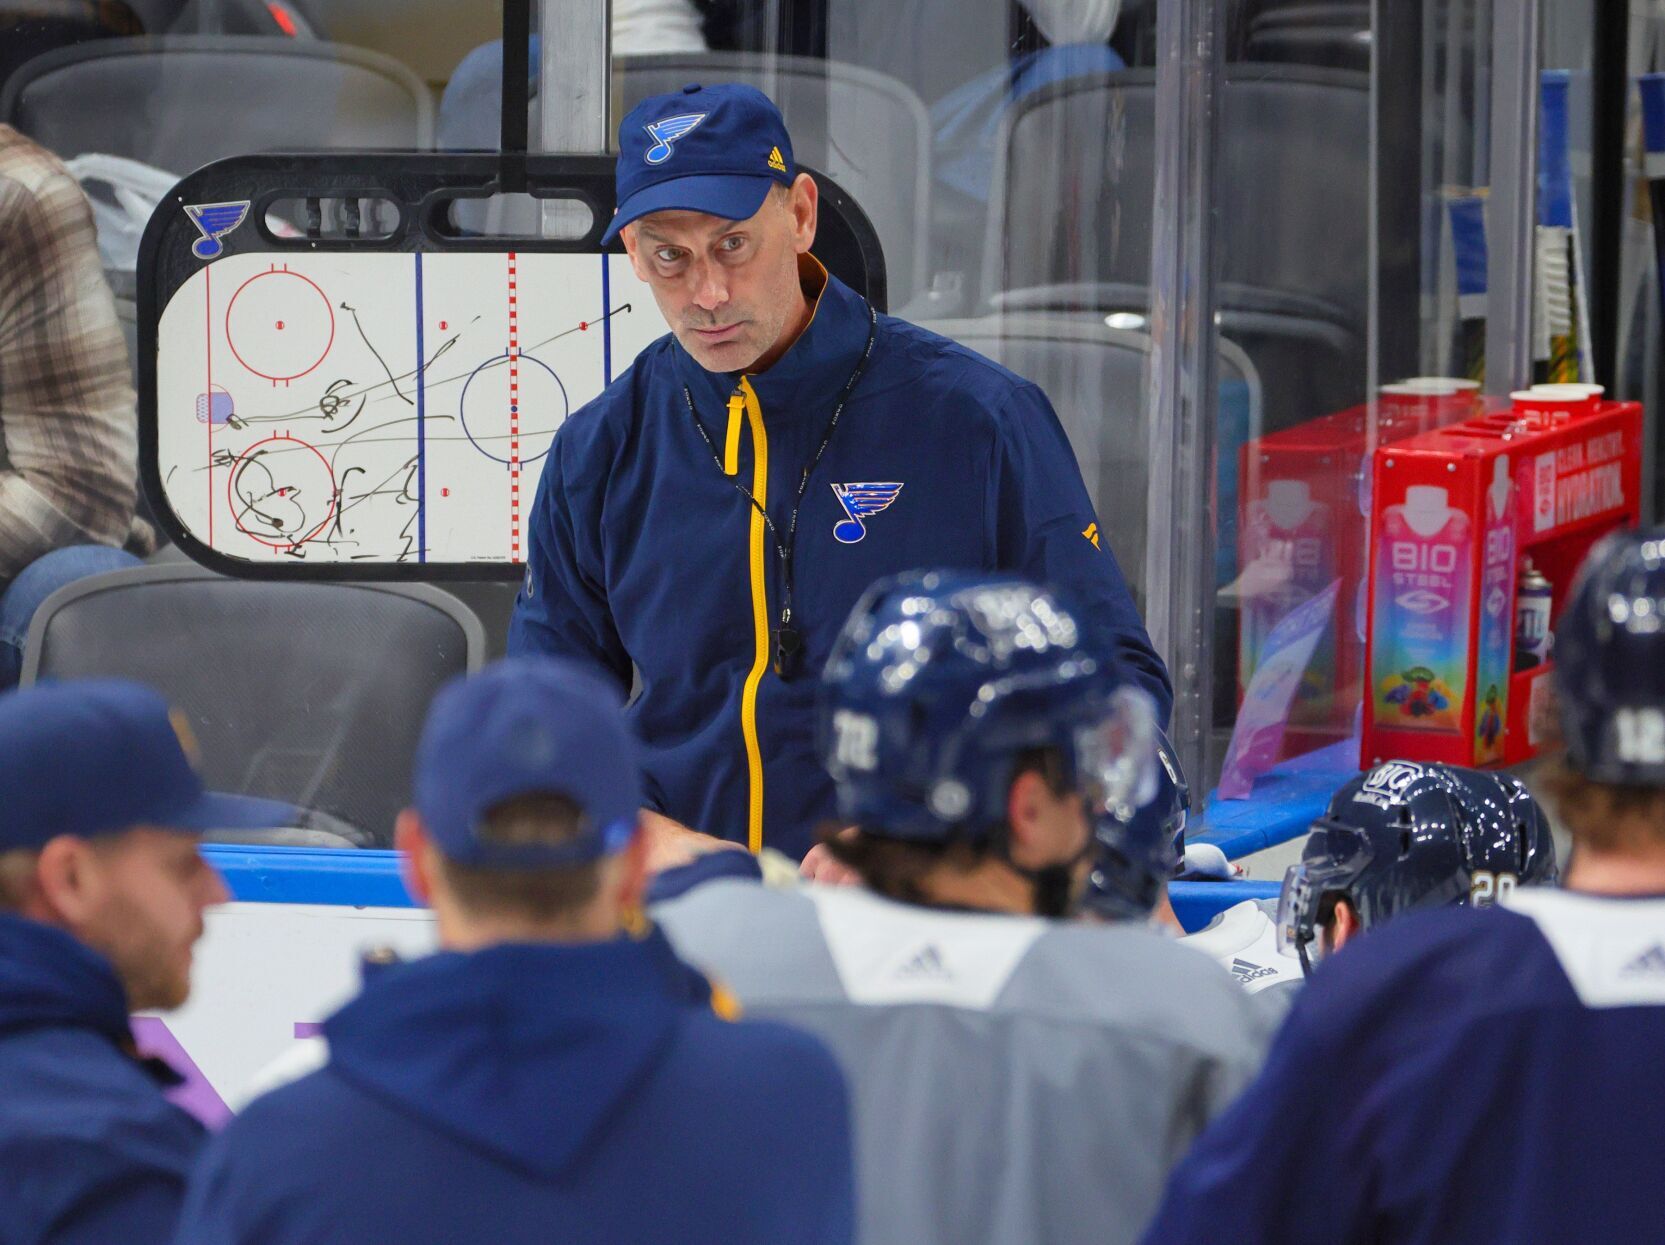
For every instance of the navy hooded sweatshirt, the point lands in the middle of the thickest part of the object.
(643, 553)
(536, 1094)
(91, 1153)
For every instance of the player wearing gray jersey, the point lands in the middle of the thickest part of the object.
(1016, 1077)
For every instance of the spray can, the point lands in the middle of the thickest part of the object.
(1531, 618)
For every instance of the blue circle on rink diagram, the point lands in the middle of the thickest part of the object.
(502, 359)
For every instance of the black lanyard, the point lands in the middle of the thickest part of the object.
(788, 643)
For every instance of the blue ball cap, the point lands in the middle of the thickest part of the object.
(713, 149)
(101, 756)
(527, 726)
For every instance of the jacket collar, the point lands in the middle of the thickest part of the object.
(815, 368)
(48, 979)
(475, 1043)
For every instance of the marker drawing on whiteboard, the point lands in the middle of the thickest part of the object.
(330, 405)
(273, 509)
(371, 346)
(307, 412)
(307, 460)
(348, 394)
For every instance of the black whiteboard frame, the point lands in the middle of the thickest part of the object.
(422, 185)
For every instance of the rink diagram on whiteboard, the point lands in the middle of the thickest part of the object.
(388, 408)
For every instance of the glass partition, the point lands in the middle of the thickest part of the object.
(1009, 155)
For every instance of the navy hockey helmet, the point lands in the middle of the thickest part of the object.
(1610, 662)
(1408, 835)
(1517, 826)
(941, 681)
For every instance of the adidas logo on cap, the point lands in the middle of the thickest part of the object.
(776, 161)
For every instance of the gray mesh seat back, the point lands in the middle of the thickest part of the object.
(178, 102)
(1075, 172)
(866, 132)
(1307, 362)
(1097, 379)
(306, 692)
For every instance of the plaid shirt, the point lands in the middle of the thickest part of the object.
(68, 467)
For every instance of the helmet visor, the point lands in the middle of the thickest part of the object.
(1335, 855)
(1115, 757)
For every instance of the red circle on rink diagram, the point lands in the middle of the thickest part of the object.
(278, 493)
(280, 325)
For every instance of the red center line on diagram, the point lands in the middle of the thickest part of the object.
(514, 414)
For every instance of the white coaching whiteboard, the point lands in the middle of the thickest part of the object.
(381, 407)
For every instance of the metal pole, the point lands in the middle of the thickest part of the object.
(1397, 118)
(574, 64)
(1179, 555)
(1511, 213)
(576, 38)
(1609, 97)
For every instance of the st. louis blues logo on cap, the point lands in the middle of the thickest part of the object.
(215, 220)
(861, 501)
(666, 132)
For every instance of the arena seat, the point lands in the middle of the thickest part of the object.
(1334, 35)
(1097, 378)
(180, 101)
(311, 693)
(867, 132)
(1077, 162)
(1307, 356)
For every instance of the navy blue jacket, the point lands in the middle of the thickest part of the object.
(643, 552)
(526, 1094)
(1459, 1075)
(90, 1151)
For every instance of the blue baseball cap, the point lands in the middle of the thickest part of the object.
(527, 726)
(101, 756)
(713, 149)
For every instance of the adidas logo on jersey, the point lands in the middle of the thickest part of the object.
(926, 965)
(1651, 963)
(1246, 972)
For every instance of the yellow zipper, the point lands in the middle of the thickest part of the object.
(731, 442)
(760, 601)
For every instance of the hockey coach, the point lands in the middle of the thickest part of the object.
(704, 527)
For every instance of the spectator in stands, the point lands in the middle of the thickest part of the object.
(708, 521)
(646, 27)
(68, 435)
(1489, 1075)
(1018, 1078)
(555, 1072)
(965, 123)
(102, 893)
